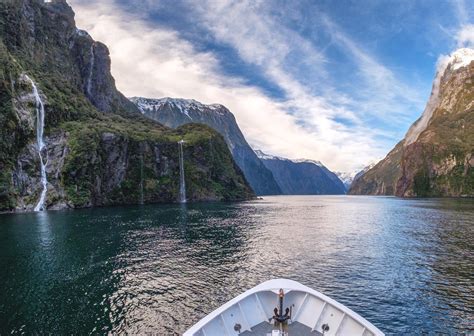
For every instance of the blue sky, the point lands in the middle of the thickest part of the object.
(336, 81)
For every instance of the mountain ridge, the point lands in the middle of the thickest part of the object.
(174, 112)
(302, 176)
(98, 148)
(436, 156)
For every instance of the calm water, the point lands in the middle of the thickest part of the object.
(405, 265)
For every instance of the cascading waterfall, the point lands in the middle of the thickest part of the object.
(141, 178)
(182, 186)
(91, 71)
(40, 143)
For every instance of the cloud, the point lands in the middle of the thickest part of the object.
(260, 39)
(155, 61)
(461, 11)
(382, 94)
(465, 36)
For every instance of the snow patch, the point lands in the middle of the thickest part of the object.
(185, 106)
(317, 163)
(346, 177)
(460, 58)
(263, 156)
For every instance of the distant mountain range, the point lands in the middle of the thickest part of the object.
(173, 112)
(266, 174)
(302, 177)
(436, 157)
(70, 139)
(346, 178)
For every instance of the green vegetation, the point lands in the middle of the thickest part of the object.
(110, 152)
(439, 163)
(150, 154)
(421, 183)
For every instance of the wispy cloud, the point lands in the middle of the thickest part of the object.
(381, 92)
(465, 36)
(251, 29)
(461, 11)
(464, 33)
(312, 119)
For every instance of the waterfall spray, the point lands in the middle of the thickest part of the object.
(182, 186)
(91, 71)
(40, 143)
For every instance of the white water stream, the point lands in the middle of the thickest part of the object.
(40, 144)
(182, 186)
(91, 71)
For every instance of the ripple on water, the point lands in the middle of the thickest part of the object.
(405, 265)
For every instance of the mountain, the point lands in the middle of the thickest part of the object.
(436, 157)
(360, 173)
(176, 112)
(69, 138)
(347, 178)
(302, 177)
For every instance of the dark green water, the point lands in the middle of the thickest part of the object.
(405, 265)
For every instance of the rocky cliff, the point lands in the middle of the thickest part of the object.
(302, 177)
(177, 112)
(94, 146)
(436, 157)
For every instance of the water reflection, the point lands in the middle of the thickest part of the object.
(403, 264)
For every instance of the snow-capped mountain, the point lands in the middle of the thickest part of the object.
(174, 112)
(460, 58)
(302, 176)
(349, 177)
(185, 106)
(359, 173)
(436, 157)
(346, 178)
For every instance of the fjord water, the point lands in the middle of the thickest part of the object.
(405, 265)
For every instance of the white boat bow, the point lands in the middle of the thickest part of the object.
(301, 311)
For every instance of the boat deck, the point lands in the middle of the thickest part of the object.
(294, 329)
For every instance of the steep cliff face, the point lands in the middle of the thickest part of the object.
(436, 156)
(302, 177)
(177, 112)
(382, 178)
(97, 148)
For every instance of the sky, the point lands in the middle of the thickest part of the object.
(335, 81)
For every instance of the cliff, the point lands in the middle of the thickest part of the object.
(176, 112)
(94, 146)
(436, 157)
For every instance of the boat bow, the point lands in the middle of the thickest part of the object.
(309, 312)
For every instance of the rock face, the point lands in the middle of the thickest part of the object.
(99, 149)
(436, 156)
(176, 112)
(302, 177)
(381, 179)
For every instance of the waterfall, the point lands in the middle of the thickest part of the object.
(40, 143)
(91, 71)
(182, 186)
(141, 177)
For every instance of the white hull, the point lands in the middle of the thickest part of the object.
(250, 313)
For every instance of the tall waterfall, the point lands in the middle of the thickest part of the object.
(91, 71)
(182, 186)
(40, 143)
(141, 177)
